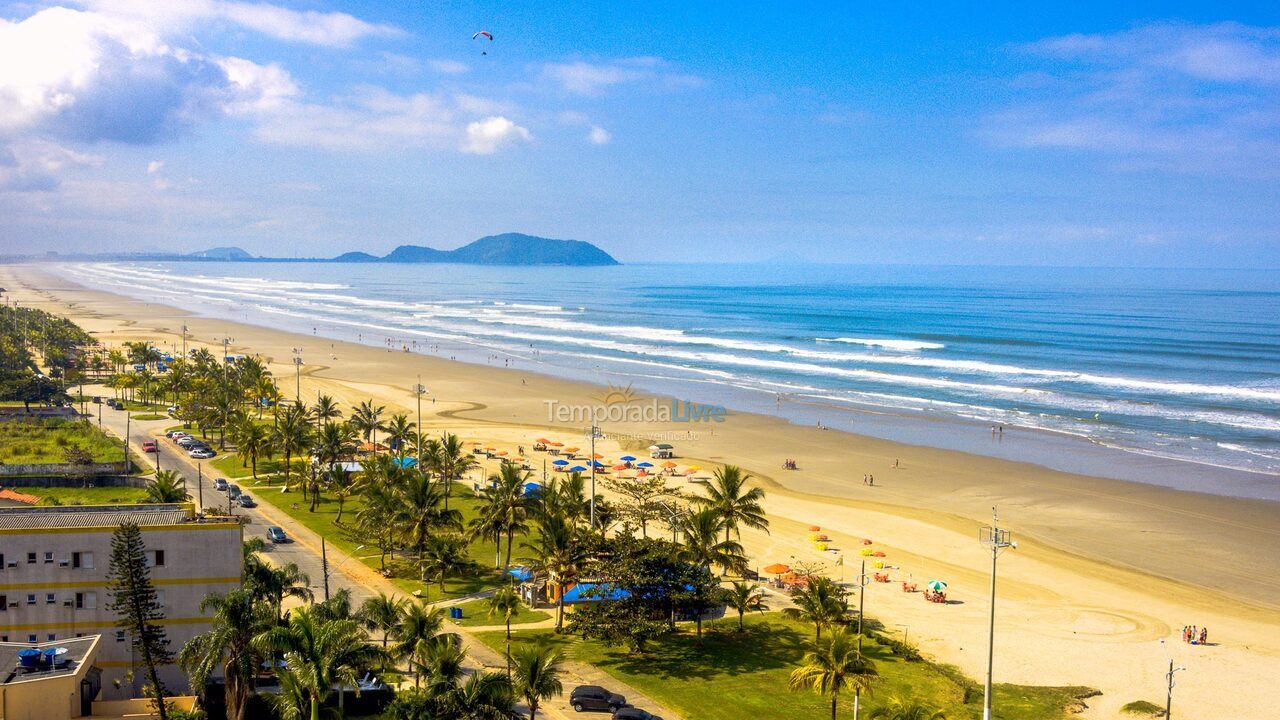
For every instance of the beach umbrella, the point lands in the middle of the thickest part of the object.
(690, 471)
(501, 452)
(628, 458)
(475, 442)
(936, 585)
(571, 449)
(556, 444)
(644, 465)
(865, 552)
(866, 542)
(777, 569)
(694, 468)
(542, 441)
(642, 473)
(620, 466)
(814, 528)
(518, 459)
(559, 462)
(598, 456)
(668, 464)
(577, 468)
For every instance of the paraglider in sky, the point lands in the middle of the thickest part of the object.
(483, 34)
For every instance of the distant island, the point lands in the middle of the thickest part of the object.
(504, 249)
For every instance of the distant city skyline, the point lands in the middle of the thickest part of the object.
(1144, 135)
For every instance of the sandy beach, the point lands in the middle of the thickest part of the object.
(1104, 570)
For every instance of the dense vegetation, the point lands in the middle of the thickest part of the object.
(30, 339)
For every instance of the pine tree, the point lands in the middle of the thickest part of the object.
(138, 612)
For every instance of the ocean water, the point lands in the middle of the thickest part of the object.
(1164, 376)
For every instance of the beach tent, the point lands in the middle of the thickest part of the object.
(662, 446)
(521, 574)
(406, 462)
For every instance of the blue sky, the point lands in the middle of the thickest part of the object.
(1076, 134)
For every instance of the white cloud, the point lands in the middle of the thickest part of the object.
(485, 137)
(36, 165)
(255, 88)
(593, 78)
(599, 136)
(448, 67)
(331, 29)
(155, 166)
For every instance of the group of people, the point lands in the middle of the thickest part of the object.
(1191, 635)
(868, 479)
(790, 465)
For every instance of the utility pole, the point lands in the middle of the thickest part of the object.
(862, 596)
(200, 483)
(996, 539)
(127, 429)
(324, 565)
(418, 391)
(595, 430)
(184, 341)
(297, 374)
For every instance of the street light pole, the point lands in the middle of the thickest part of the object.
(862, 596)
(418, 391)
(297, 374)
(594, 431)
(996, 539)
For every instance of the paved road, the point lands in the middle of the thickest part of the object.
(344, 570)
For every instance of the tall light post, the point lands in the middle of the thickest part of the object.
(862, 581)
(419, 390)
(595, 432)
(297, 374)
(184, 341)
(997, 539)
(1169, 683)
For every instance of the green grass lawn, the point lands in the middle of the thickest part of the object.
(347, 538)
(149, 416)
(475, 613)
(231, 465)
(86, 496)
(753, 667)
(46, 441)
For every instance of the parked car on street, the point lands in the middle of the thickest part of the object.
(594, 697)
(187, 441)
(276, 535)
(220, 485)
(233, 490)
(246, 500)
(150, 447)
(201, 453)
(632, 713)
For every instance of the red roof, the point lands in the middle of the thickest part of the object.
(18, 497)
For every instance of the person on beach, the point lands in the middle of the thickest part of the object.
(1204, 635)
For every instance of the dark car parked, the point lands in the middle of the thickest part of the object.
(631, 713)
(594, 697)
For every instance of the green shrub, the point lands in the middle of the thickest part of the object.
(1142, 707)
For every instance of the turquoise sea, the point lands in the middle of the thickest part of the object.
(1163, 376)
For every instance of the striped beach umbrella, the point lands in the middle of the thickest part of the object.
(936, 585)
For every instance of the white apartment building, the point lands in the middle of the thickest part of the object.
(53, 578)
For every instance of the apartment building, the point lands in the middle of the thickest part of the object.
(53, 578)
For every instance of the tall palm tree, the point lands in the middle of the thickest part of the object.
(265, 393)
(420, 509)
(227, 646)
(274, 584)
(452, 462)
(702, 543)
(821, 602)
(400, 429)
(292, 435)
(325, 410)
(535, 672)
(319, 653)
(895, 708)
(505, 603)
(167, 487)
(744, 597)
(381, 612)
(253, 440)
(366, 419)
(505, 505)
(419, 626)
(736, 504)
(377, 516)
(484, 696)
(558, 555)
(833, 666)
(445, 555)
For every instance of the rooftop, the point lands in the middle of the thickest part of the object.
(86, 516)
(78, 649)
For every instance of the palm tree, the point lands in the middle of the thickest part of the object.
(744, 597)
(559, 555)
(167, 487)
(325, 410)
(734, 502)
(343, 484)
(445, 555)
(366, 419)
(381, 612)
(419, 509)
(452, 462)
(227, 647)
(274, 584)
(535, 672)
(400, 429)
(820, 601)
(265, 393)
(505, 602)
(484, 696)
(442, 663)
(292, 435)
(319, 653)
(505, 505)
(833, 666)
(419, 625)
(702, 543)
(252, 440)
(895, 708)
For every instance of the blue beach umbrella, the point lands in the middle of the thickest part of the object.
(644, 464)
(577, 468)
(627, 458)
(559, 462)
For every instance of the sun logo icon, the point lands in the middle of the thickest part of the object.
(618, 395)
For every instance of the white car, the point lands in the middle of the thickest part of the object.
(201, 453)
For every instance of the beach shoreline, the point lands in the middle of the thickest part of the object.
(1105, 567)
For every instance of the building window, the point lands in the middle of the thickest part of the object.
(31, 639)
(82, 560)
(119, 636)
(31, 598)
(31, 558)
(4, 603)
(86, 600)
(156, 557)
(48, 558)
(52, 637)
(50, 598)
(1, 562)
(4, 638)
